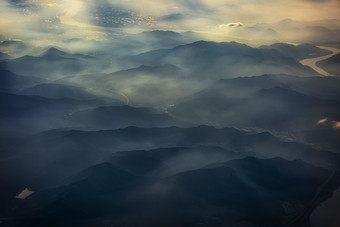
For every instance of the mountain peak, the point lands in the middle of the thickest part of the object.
(55, 53)
(54, 50)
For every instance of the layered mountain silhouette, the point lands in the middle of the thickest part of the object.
(4, 56)
(211, 60)
(212, 196)
(110, 117)
(298, 52)
(36, 113)
(58, 91)
(159, 129)
(156, 86)
(72, 151)
(52, 64)
(10, 82)
(267, 102)
(331, 64)
(169, 161)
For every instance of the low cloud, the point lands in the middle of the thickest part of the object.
(336, 125)
(322, 121)
(231, 25)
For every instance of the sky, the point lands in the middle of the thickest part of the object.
(54, 20)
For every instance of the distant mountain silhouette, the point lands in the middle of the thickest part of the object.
(36, 113)
(265, 102)
(275, 108)
(15, 48)
(155, 86)
(170, 161)
(10, 82)
(110, 117)
(310, 31)
(58, 91)
(160, 70)
(260, 32)
(331, 64)
(52, 64)
(320, 87)
(4, 56)
(211, 60)
(159, 129)
(265, 173)
(19, 105)
(132, 44)
(160, 39)
(298, 52)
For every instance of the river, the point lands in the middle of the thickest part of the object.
(311, 62)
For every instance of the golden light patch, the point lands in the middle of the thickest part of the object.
(16, 40)
(336, 125)
(322, 121)
(24, 194)
(51, 4)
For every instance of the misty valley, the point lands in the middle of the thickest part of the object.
(168, 127)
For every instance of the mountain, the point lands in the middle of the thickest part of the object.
(52, 64)
(99, 189)
(111, 117)
(298, 52)
(4, 56)
(294, 176)
(261, 158)
(227, 191)
(266, 102)
(259, 33)
(35, 113)
(57, 154)
(126, 44)
(20, 105)
(210, 60)
(129, 74)
(159, 70)
(246, 192)
(14, 48)
(331, 65)
(133, 138)
(169, 161)
(320, 87)
(58, 91)
(275, 108)
(154, 86)
(10, 82)
(319, 32)
(160, 39)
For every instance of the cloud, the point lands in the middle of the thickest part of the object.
(195, 5)
(318, 1)
(172, 17)
(336, 125)
(322, 121)
(54, 21)
(231, 25)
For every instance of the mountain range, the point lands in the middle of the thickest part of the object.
(160, 129)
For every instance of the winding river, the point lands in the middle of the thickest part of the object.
(328, 212)
(311, 62)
